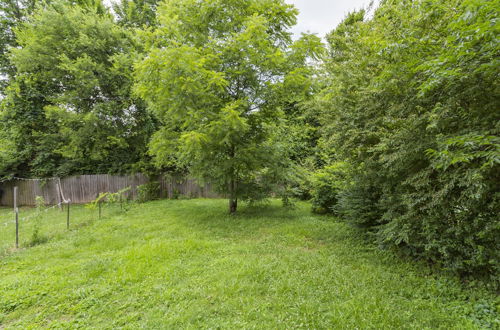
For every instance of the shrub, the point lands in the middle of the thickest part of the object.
(148, 191)
(326, 186)
(358, 203)
(301, 187)
(108, 199)
(36, 237)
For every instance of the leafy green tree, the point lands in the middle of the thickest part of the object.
(70, 104)
(218, 76)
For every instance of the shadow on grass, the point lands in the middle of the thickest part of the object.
(210, 218)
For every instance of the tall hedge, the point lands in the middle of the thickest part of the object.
(412, 104)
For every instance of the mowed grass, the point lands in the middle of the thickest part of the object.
(187, 264)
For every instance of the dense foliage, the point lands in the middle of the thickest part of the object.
(136, 13)
(327, 183)
(68, 108)
(412, 105)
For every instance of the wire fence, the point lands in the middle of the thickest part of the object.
(41, 224)
(59, 203)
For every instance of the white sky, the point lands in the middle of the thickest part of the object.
(318, 16)
(322, 16)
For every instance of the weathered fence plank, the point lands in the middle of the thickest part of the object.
(85, 188)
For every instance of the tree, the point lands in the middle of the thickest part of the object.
(217, 76)
(70, 104)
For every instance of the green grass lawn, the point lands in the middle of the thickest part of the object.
(187, 264)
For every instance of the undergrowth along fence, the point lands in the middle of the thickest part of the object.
(86, 188)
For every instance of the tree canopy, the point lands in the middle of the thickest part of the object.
(69, 104)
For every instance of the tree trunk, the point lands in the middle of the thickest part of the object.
(233, 200)
(233, 205)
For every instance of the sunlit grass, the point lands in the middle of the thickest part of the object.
(187, 264)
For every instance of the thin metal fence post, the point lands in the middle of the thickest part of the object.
(67, 214)
(99, 210)
(16, 210)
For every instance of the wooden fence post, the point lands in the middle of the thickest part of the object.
(59, 197)
(16, 210)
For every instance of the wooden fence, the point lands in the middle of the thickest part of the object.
(85, 188)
